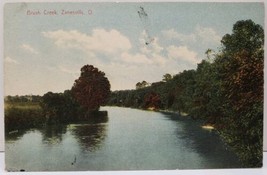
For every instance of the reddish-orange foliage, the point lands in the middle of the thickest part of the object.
(92, 88)
(245, 83)
(152, 100)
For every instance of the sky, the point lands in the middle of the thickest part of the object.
(46, 44)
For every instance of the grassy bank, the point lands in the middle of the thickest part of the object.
(23, 115)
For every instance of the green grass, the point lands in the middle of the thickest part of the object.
(22, 105)
(23, 115)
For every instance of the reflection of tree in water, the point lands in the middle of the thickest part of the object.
(15, 135)
(52, 134)
(205, 142)
(90, 136)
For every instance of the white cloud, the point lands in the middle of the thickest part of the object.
(112, 52)
(201, 35)
(135, 58)
(153, 50)
(159, 59)
(11, 61)
(100, 41)
(29, 48)
(172, 34)
(152, 46)
(182, 54)
(207, 35)
(156, 48)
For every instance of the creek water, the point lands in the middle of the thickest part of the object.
(130, 139)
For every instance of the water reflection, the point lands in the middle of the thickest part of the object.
(52, 134)
(90, 136)
(205, 142)
(14, 135)
(209, 145)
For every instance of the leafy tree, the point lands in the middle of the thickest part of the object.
(92, 88)
(207, 99)
(167, 77)
(184, 88)
(240, 66)
(142, 84)
(59, 107)
(202, 92)
(246, 36)
(53, 105)
(210, 55)
(138, 85)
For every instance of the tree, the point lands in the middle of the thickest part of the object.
(138, 85)
(241, 70)
(202, 92)
(59, 107)
(242, 62)
(53, 105)
(92, 88)
(141, 85)
(167, 77)
(210, 55)
(185, 87)
(246, 36)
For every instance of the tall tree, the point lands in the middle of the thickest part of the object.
(241, 70)
(141, 85)
(167, 77)
(92, 88)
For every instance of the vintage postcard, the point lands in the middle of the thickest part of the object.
(133, 85)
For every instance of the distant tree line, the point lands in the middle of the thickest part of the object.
(226, 90)
(22, 98)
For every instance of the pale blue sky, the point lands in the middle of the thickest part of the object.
(45, 52)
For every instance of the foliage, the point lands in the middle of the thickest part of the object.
(241, 70)
(92, 88)
(60, 107)
(142, 84)
(167, 77)
(226, 90)
(152, 100)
